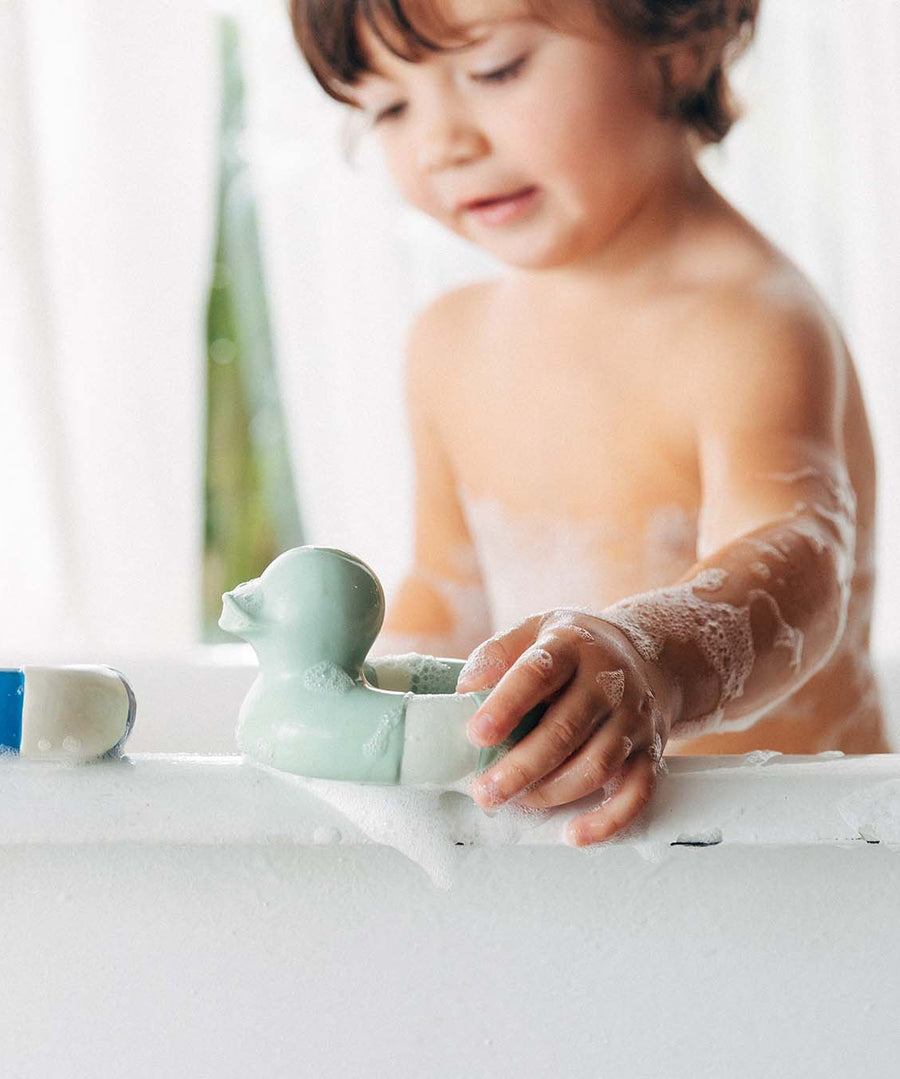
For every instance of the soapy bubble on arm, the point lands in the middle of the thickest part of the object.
(822, 522)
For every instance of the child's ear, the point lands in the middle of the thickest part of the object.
(689, 66)
(682, 67)
(684, 64)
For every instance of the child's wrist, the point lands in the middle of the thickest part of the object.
(680, 677)
(690, 684)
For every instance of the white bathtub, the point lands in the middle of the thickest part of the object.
(174, 914)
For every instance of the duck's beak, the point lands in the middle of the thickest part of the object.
(240, 608)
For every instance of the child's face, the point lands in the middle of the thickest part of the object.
(565, 122)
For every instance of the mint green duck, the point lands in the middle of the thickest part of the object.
(318, 708)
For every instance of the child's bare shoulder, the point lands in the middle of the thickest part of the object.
(445, 334)
(765, 340)
(453, 314)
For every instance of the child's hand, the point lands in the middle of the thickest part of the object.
(609, 716)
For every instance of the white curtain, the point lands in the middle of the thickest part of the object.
(108, 122)
(108, 116)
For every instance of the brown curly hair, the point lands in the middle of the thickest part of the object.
(713, 32)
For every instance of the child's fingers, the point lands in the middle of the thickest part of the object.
(586, 771)
(493, 658)
(563, 728)
(539, 672)
(639, 778)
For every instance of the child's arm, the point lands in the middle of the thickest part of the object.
(440, 607)
(769, 598)
(778, 518)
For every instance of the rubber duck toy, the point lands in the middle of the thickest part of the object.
(317, 708)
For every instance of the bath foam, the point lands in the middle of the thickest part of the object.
(669, 542)
(416, 672)
(613, 685)
(638, 834)
(327, 676)
(713, 579)
(824, 518)
(835, 510)
(536, 562)
(765, 548)
(481, 662)
(786, 636)
(809, 531)
(391, 719)
(874, 812)
(422, 823)
(536, 657)
(829, 497)
(721, 630)
(562, 555)
(427, 826)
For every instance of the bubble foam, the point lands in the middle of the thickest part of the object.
(424, 824)
(613, 685)
(327, 677)
(721, 630)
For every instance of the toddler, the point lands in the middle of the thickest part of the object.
(645, 483)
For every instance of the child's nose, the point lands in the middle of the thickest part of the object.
(447, 141)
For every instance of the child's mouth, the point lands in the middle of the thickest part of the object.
(504, 210)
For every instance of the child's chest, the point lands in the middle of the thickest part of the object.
(581, 424)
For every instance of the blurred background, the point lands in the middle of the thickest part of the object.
(204, 299)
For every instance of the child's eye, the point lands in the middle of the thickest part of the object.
(501, 74)
(390, 113)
